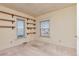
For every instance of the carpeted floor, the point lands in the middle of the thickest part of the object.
(38, 48)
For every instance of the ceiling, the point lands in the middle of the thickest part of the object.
(36, 9)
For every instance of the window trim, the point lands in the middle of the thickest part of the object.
(48, 29)
(17, 28)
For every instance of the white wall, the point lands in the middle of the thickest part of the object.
(62, 27)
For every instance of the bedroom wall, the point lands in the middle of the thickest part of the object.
(8, 36)
(62, 27)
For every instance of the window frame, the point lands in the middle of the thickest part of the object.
(20, 19)
(48, 29)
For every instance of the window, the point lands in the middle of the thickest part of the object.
(20, 28)
(44, 28)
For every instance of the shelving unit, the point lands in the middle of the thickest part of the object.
(31, 33)
(32, 27)
(7, 27)
(7, 21)
(33, 24)
(14, 15)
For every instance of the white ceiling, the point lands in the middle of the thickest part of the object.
(36, 9)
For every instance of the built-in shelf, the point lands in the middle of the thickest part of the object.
(34, 20)
(31, 28)
(31, 23)
(13, 14)
(3, 26)
(31, 19)
(7, 20)
(31, 33)
(7, 27)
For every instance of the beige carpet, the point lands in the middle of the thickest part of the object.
(38, 48)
